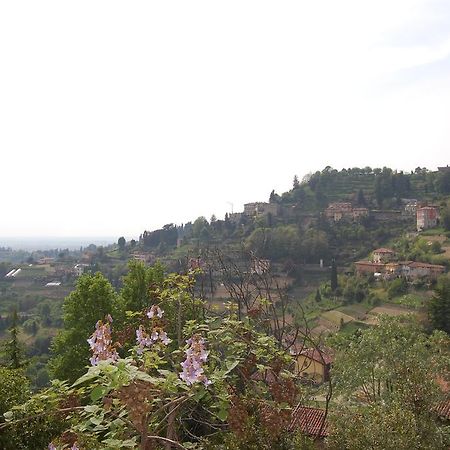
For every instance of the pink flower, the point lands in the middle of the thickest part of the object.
(143, 340)
(196, 355)
(155, 310)
(101, 344)
(164, 338)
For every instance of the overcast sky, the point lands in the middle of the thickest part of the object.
(117, 117)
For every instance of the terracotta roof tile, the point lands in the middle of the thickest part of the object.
(315, 355)
(310, 421)
(443, 409)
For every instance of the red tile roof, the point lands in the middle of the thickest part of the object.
(315, 355)
(426, 265)
(310, 421)
(443, 409)
(383, 250)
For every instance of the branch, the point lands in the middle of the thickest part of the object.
(46, 413)
(169, 441)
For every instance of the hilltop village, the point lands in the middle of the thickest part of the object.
(343, 254)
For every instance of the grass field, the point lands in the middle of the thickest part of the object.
(337, 317)
(358, 310)
(390, 310)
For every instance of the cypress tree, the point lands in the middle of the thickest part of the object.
(13, 353)
(334, 279)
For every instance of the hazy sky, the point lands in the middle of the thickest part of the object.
(117, 117)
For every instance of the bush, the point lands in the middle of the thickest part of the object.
(397, 287)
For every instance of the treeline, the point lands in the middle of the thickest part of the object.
(380, 187)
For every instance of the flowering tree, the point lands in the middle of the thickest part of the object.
(172, 376)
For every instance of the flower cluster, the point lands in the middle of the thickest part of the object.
(144, 339)
(192, 366)
(101, 343)
(155, 311)
(52, 447)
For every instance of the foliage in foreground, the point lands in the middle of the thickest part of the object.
(163, 378)
(388, 379)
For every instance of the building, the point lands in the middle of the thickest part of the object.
(313, 364)
(387, 215)
(410, 270)
(260, 266)
(344, 210)
(338, 210)
(357, 213)
(424, 270)
(368, 267)
(410, 206)
(382, 255)
(144, 257)
(196, 263)
(261, 209)
(79, 269)
(235, 217)
(443, 410)
(310, 421)
(46, 260)
(427, 217)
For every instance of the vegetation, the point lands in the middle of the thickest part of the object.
(198, 351)
(388, 378)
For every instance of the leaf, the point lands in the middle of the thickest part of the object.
(98, 392)
(230, 366)
(222, 414)
(145, 377)
(90, 375)
(91, 409)
(96, 420)
(199, 394)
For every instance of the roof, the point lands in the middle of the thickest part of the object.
(383, 250)
(443, 409)
(369, 263)
(316, 355)
(428, 208)
(310, 421)
(425, 265)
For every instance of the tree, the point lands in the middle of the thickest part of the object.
(333, 277)
(92, 300)
(13, 351)
(397, 287)
(318, 297)
(121, 242)
(200, 228)
(445, 218)
(361, 200)
(439, 306)
(14, 390)
(443, 182)
(295, 183)
(387, 377)
(135, 294)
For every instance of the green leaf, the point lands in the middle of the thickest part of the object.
(230, 366)
(98, 392)
(222, 414)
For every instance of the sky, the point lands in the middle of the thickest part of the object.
(116, 117)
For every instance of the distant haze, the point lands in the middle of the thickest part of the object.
(116, 117)
(48, 243)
